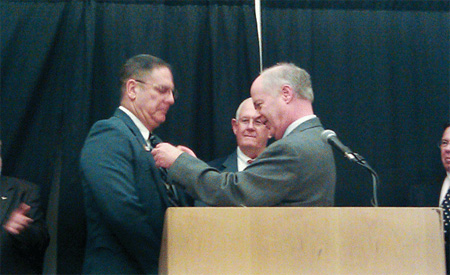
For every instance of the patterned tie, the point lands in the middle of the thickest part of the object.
(446, 207)
(170, 188)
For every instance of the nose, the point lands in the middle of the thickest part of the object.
(251, 124)
(170, 98)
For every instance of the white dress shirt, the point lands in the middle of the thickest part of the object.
(242, 160)
(144, 131)
(294, 124)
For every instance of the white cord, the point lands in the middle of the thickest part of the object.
(258, 26)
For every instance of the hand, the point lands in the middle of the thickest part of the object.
(18, 220)
(186, 150)
(165, 154)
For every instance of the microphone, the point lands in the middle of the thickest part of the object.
(329, 136)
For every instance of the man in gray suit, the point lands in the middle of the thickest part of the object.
(296, 170)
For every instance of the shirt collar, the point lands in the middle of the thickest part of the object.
(242, 159)
(144, 131)
(296, 123)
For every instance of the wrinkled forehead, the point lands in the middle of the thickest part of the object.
(248, 110)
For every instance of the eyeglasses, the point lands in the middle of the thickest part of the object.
(256, 122)
(161, 89)
(443, 143)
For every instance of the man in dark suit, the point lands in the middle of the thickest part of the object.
(296, 170)
(125, 194)
(251, 138)
(24, 236)
(444, 200)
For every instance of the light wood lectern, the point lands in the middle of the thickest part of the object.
(302, 240)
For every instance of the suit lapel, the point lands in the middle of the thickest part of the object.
(130, 124)
(7, 199)
(157, 180)
(230, 164)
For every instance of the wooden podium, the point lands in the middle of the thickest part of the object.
(302, 240)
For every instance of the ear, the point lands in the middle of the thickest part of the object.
(269, 135)
(287, 93)
(131, 89)
(234, 125)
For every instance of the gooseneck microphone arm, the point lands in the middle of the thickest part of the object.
(375, 180)
(329, 137)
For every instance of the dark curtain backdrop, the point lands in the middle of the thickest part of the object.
(380, 70)
(380, 73)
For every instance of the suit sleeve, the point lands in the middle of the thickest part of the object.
(108, 166)
(34, 240)
(286, 174)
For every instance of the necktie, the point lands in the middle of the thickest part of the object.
(170, 188)
(250, 161)
(446, 207)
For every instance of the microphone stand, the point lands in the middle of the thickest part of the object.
(375, 180)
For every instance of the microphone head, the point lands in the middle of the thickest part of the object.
(326, 135)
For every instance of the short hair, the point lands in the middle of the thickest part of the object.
(238, 111)
(445, 125)
(289, 73)
(137, 65)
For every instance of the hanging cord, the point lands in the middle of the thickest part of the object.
(258, 28)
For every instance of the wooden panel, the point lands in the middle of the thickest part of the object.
(306, 240)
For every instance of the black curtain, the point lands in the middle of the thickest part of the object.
(380, 73)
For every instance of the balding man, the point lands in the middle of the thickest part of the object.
(251, 138)
(296, 170)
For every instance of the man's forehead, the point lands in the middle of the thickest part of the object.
(446, 132)
(249, 113)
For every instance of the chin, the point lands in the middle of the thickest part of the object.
(160, 120)
(249, 144)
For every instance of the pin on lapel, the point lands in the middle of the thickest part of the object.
(147, 148)
(4, 198)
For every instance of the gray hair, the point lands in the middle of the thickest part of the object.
(238, 111)
(288, 73)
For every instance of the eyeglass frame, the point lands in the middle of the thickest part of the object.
(161, 89)
(256, 122)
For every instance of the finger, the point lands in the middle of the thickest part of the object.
(25, 221)
(15, 227)
(24, 208)
(11, 229)
(17, 217)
